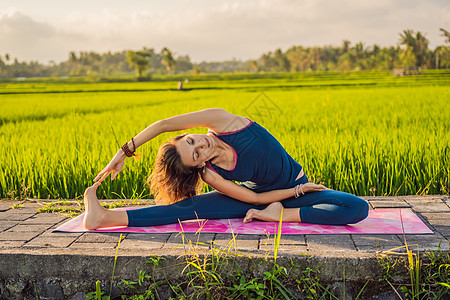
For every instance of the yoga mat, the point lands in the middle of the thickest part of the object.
(379, 221)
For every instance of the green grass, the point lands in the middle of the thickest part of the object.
(363, 133)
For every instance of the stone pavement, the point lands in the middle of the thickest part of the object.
(24, 230)
(29, 249)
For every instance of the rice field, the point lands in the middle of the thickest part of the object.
(363, 133)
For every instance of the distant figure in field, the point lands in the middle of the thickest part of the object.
(235, 148)
(180, 85)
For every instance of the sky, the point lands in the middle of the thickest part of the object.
(209, 30)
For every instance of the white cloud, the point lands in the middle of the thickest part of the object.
(222, 30)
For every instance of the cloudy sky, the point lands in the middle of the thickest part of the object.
(209, 30)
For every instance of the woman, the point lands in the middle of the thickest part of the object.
(235, 149)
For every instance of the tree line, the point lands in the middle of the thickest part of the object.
(411, 52)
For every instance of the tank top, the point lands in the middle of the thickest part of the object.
(261, 163)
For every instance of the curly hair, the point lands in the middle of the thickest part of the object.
(171, 181)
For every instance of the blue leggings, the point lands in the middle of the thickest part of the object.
(327, 207)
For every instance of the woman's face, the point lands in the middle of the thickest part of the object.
(196, 149)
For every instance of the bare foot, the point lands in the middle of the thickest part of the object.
(271, 213)
(94, 211)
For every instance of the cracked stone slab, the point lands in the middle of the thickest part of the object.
(446, 200)
(4, 206)
(144, 241)
(4, 225)
(438, 218)
(23, 210)
(14, 216)
(180, 239)
(444, 230)
(103, 237)
(376, 240)
(241, 242)
(17, 236)
(289, 239)
(337, 242)
(424, 205)
(426, 242)
(43, 218)
(285, 248)
(396, 203)
(28, 228)
(11, 244)
(50, 233)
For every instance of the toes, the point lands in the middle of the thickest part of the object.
(247, 220)
(249, 216)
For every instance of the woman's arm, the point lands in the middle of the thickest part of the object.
(243, 194)
(216, 119)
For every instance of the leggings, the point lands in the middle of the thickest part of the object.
(327, 207)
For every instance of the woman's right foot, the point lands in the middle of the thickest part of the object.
(95, 212)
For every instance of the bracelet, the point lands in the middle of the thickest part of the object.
(296, 195)
(127, 150)
(301, 188)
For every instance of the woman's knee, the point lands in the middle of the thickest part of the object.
(360, 209)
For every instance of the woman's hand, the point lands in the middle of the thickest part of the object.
(312, 187)
(114, 166)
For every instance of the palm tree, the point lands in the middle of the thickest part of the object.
(421, 48)
(168, 59)
(445, 34)
(407, 38)
(417, 44)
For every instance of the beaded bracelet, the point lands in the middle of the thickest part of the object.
(127, 150)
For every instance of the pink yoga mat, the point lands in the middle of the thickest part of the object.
(379, 221)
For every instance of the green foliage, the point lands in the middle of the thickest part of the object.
(346, 57)
(429, 273)
(139, 59)
(387, 134)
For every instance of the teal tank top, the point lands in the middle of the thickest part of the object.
(261, 163)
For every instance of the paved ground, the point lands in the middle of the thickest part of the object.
(25, 231)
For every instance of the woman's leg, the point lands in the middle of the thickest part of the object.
(329, 207)
(212, 205)
(326, 207)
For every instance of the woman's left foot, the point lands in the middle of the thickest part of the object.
(271, 213)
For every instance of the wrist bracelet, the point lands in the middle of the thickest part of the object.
(301, 188)
(127, 150)
(296, 195)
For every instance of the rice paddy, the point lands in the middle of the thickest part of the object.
(363, 133)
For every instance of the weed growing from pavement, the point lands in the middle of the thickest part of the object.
(429, 274)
